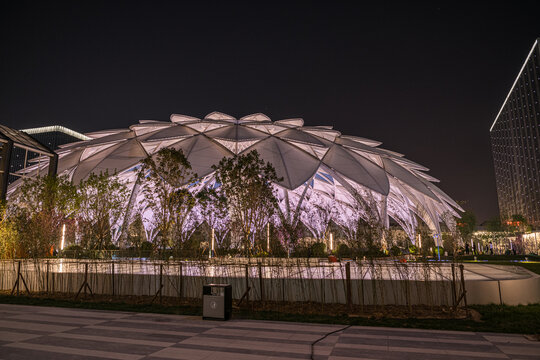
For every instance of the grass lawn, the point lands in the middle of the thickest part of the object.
(488, 318)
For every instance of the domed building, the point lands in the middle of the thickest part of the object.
(320, 168)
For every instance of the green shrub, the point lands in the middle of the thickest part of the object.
(343, 251)
(395, 251)
(318, 249)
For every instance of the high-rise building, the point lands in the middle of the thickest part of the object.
(515, 142)
(50, 136)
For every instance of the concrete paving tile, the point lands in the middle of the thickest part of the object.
(499, 339)
(306, 328)
(12, 336)
(253, 337)
(97, 314)
(127, 323)
(75, 351)
(112, 339)
(126, 334)
(56, 319)
(283, 335)
(162, 322)
(24, 325)
(84, 345)
(144, 331)
(276, 352)
(181, 354)
(416, 338)
(465, 354)
(7, 353)
(520, 350)
(249, 345)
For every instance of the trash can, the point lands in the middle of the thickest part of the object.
(217, 302)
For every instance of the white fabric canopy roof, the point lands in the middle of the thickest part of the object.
(332, 166)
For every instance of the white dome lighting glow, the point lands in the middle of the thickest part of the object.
(318, 165)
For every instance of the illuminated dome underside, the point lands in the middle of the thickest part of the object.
(319, 166)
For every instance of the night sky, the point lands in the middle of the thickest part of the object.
(427, 80)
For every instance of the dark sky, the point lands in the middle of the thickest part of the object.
(426, 80)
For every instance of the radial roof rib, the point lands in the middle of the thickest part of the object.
(298, 122)
(419, 205)
(330, 135)
(359, 146)
(237, 147)
(255, 117)
(178, 118)
(152, 122)
(424, 176)
(172, 132)
(392, 153)
(270, 128)
(300, 136)
(207, 125)
(87, 166)
(202, 153)
(368, 142)
(142, 129)
(409, 164)
(357, 168)
(69, 160)
(103, 133)
(407, 177)
(89, 151)
(115, 137)
(315, 151)
(291, 163)
(441, 194)
(236, 133)
(216, 115)
(124, 157)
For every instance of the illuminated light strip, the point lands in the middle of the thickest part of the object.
(515, 82)
(57, 128)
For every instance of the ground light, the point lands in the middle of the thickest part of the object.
(268, 238)
(63, 237)
(212, 245)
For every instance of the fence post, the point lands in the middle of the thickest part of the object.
(18, 276)
(160, 282)
(85, 276)
(464, 290)
(181, 281)
(112, 277)
(454, 285)
(348, 280)
(247, 284)
(47, 278)
(261, 285)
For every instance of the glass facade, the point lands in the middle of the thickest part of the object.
(515, 142)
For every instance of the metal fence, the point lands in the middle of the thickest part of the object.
(382, 282)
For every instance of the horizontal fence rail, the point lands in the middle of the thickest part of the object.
(380, 282)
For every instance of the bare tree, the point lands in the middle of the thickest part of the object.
(164, 177)
(102, 201)
(246, 182)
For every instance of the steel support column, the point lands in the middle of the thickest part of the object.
(5, 161)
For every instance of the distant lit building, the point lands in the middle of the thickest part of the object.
(515, 141)
(50, 136)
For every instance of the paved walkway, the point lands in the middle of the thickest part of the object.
(32, 332)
